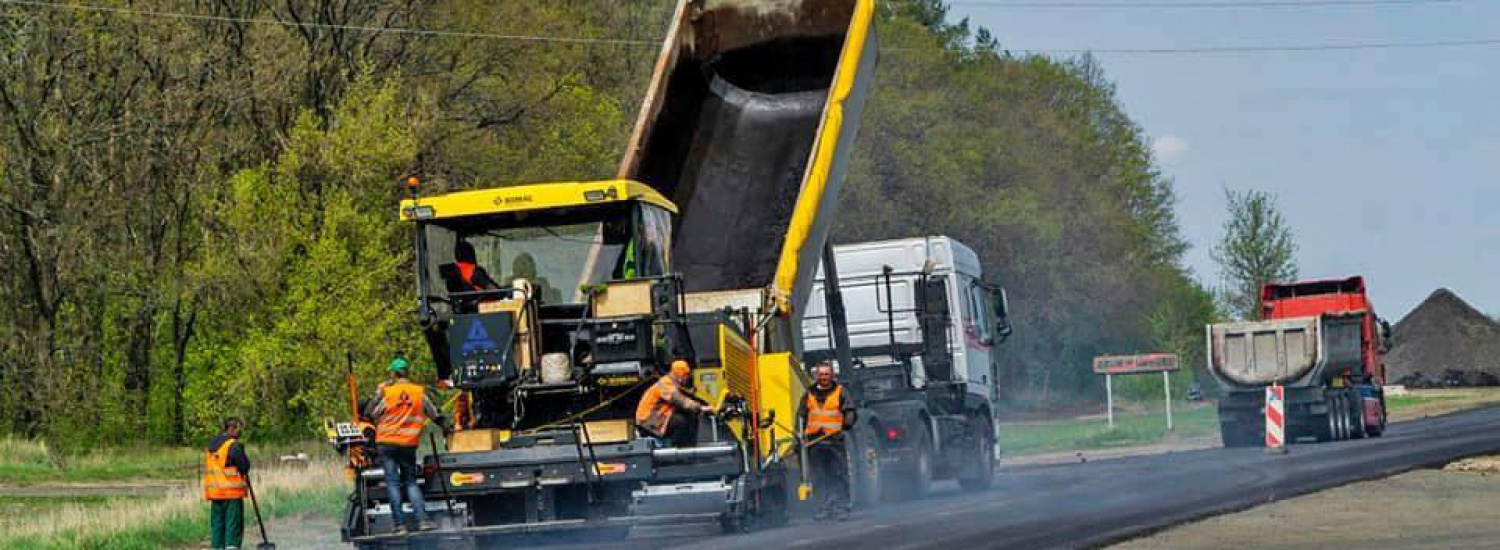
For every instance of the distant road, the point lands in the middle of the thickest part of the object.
(1099, 502)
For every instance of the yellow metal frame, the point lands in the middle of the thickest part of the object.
(782, 385)
(810, 200)
(526, 198)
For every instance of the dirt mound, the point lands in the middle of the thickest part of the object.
(1483, 465)
(1445, 342)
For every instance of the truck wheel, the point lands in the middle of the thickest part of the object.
(1337, 411)
(1326, 427)
(984, 470)
(921, 472)
(865, 469)
(1357, 406)
(1341, 410)
(1379, 428)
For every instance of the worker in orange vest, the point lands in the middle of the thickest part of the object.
(466, 275)
(224, 485)
(825, 414)
(401, 410)
(669, 411)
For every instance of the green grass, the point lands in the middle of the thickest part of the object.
(29, 462)
(174, 516)
(1396, 403)
(1143, 427)
(175, 519)
(1146, 424)
(184, 529)
(13, 509)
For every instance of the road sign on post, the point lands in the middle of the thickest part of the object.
(1113, 365)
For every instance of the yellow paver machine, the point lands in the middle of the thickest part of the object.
(698, 251)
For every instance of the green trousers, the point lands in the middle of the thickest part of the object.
(226, 518)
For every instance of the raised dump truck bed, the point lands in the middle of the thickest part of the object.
(748, 127)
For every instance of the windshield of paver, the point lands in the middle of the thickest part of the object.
(555, 256)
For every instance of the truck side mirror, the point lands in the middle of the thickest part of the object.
(1387, 338)
(1002, 315)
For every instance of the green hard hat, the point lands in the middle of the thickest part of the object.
(398, 366)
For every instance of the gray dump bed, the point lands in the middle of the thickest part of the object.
(1257, 353)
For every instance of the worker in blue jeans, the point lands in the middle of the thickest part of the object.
(402, 410)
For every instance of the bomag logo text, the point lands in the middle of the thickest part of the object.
(513, 200)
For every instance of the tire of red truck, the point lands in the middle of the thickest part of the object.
(1379, 428)
(1343, 408)
(1357, 409)
(1340, 410)
(1335, 423)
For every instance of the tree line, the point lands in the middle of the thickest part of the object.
(199, 213)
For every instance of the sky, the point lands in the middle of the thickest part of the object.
(1384, 162)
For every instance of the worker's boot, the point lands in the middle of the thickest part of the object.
(399, 530)
(427, 526)
(822, 514)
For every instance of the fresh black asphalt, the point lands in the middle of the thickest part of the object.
(1095, 503)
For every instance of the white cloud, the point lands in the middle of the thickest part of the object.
(1170, 148)
(1489, 145)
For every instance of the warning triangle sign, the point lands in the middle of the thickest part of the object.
(478, 337)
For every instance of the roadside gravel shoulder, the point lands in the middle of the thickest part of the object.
(1451, 508)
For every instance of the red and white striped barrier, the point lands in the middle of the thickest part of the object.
(1275, 418)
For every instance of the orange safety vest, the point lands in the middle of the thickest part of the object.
(656, 408)
(466, 273)
(401, 423)
(463, 412)
(221, 480)
(824, 418)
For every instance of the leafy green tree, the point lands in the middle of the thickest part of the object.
(199, 213)
(1257, 248)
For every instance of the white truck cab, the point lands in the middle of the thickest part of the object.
(976, 308)
(922, 326)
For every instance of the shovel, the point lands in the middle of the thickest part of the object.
(264, 544)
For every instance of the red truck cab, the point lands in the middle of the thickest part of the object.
(1343, 298)
(1331, 296)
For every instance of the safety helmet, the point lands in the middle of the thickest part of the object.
(398, 366)
(680, 368)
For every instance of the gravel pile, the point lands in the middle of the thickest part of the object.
(1483, 465)
(1445, 342)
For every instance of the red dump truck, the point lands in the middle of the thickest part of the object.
(1322, 341)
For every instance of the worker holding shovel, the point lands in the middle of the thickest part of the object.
(825, 415)
(225, 485)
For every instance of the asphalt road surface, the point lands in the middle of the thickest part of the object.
(1096, 503)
